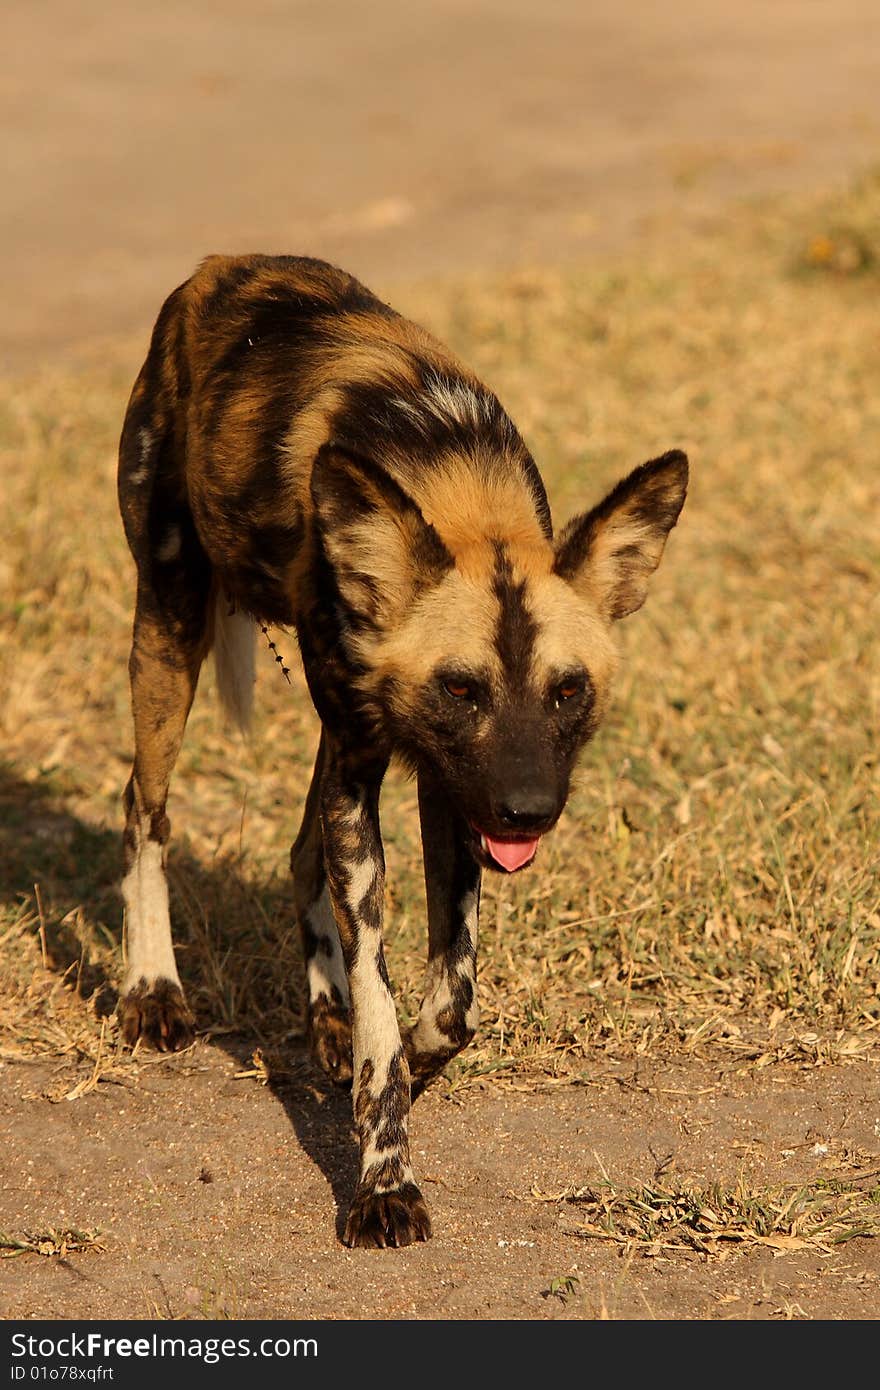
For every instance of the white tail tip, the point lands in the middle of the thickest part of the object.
(234, 661)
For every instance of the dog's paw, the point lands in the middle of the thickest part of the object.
(158, 1013)
(330, 1040)
(395, 1218)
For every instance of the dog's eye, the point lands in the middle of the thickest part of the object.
(568, 690)
(459, 689)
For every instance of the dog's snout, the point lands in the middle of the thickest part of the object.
(525, 810)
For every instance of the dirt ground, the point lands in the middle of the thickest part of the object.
(220, 1197)
(409, 142)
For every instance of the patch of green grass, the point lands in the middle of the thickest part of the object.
(564, 1287)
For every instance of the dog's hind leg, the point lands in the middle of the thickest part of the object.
(164, 670)
(171, 637)
(449, 1013)
(329, 1017)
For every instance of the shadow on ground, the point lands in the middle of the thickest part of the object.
(238, 952)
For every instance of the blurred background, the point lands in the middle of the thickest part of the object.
(398, 139)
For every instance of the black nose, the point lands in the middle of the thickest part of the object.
(525, 810)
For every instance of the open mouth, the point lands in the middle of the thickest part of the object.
(508, 854)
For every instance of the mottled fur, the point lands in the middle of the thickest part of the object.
(296, 453)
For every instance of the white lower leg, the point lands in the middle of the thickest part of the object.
(449, 1006)
(378, 1057)
(147, 947)
(325, 968)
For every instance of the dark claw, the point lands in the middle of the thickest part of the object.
(395, 1218)
(158, 1013)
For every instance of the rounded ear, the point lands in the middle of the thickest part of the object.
(610, 553)
(382, 550)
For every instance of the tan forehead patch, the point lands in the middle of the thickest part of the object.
(470, 508)
(570, 633)
(452, 624)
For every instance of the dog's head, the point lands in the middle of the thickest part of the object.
(486, 649)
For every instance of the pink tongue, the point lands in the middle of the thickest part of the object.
(512, 854)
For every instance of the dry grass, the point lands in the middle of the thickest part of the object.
(48, 1243)
(714, 883)
(659, 1218)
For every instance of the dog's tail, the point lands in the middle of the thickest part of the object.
(234, 661)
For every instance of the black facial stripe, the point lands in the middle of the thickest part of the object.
(516, 630)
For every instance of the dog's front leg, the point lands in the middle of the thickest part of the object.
(388, 1208)
(449, 1013)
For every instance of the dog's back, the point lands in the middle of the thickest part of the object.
(256, 362)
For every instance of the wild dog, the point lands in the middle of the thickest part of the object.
(296, 453)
